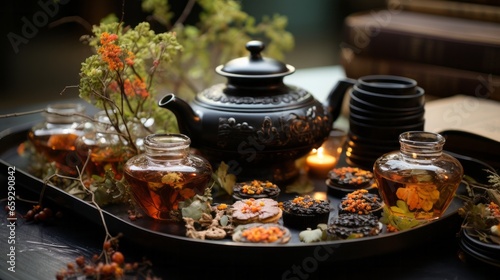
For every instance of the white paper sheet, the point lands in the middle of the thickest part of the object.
(465, 113)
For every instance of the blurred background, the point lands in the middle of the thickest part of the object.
(50, 60)
(449, 47)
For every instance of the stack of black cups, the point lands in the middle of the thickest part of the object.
(380, 108)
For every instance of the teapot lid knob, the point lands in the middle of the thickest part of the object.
(254, 66)
(255, 48)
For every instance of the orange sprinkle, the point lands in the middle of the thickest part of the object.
(252, 206)
(256, 187)
(222, 206)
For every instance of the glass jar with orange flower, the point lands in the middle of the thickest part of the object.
(419, 181)
(55, 137)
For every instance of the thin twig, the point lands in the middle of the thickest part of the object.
(85, 24)
(67, 87)
(123, 12)
(185, 13)
(108, 236)
(23, 113)
(19, 114)
(25, 200)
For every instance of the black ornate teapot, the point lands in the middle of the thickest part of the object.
(255, 123)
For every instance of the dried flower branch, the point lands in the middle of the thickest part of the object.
(119, 78)
(481, 210)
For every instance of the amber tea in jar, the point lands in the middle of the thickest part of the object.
(420, 180)
(103, 146)
(166, 174)
(55, 137)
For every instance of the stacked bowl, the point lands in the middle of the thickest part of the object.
(380, 108)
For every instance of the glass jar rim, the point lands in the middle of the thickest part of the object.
(64, 112)
(167, 140)
(65, 108)
(422, 138)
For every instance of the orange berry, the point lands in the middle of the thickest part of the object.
(118, 258)
(106, 246)
(107, 269)
(80, 261)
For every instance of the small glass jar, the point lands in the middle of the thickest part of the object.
(139, 129)
(166, 174)
(103, 146)
(420, 180)
(55, 137)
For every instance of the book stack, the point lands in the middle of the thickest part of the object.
(448, 47)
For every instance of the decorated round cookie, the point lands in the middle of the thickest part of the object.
(361, 202)
(348, 225)
(261, 233)
(343, 180)
(262, 210)
(304, 212)
(255, 189)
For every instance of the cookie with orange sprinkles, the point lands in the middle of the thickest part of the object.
(255, 189)
(343, 180)
(361, 202)
(262, 233)
(304, 212)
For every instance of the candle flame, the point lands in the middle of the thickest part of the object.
(320, 152)
(320, 195)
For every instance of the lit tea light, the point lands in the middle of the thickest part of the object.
(320, 163)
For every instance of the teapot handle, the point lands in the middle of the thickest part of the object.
(336, 96)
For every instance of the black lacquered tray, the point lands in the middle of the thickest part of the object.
(169, 237)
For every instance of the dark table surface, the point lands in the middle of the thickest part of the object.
(42, 249)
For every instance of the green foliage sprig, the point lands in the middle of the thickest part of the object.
(219, 35)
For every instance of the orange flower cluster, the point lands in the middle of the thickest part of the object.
(111, 53)
(419, 196)
(136, 88)
(263, 234)
(113, 86)
(130, 59)
(494, 209)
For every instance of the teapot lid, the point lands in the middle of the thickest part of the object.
(255, 65)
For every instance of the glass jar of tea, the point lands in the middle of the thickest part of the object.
(103, 146)
(139, 129)
(418, 181)
(166, 174)
(55, 137)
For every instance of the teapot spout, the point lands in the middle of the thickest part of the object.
(188, 121)
(336, 97)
